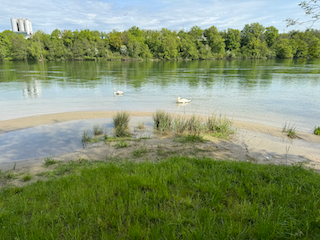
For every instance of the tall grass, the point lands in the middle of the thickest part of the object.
(178, 198)
(218, 126)
(121, 124)
(97, 129)
(162, 121)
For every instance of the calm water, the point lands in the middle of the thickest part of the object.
(270, 92)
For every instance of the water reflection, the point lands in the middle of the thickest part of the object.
(32, 89)
(264, 91)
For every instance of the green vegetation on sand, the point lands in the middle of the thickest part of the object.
(179, 198)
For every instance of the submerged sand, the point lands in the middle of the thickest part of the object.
(252, 142)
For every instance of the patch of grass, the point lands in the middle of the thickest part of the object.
(162, 121)
(48, 161)
(177, 198)
(86, 137)
(27, 177)
(189, 138)
(122, 144)
(290, 130)
(121, 124)
(10, 175)
(97, 129)
(219, 126)
(140, 152)
(316, 130)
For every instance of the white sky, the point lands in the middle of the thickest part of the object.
(106, 15)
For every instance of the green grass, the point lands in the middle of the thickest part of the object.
(140, 152)
(97, 129)
(121, 144)
(10, 175)
(48, 161)
(179, 198)
(86, 137)
(121, 124)
(217, 126)
(27, 177)
(316, 130)
(189, 138)
(290, 130)
(162, 121)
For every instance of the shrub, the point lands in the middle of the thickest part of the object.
(316, 130)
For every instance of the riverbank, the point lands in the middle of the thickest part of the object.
(251, 142)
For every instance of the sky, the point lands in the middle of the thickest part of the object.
(106, 15)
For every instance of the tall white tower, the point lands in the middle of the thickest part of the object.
(22, 26)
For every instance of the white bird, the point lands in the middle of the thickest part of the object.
(117, 92)
(183, 100)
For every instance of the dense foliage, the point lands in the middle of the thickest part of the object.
(253, 41)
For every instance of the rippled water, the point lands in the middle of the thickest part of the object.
(270, 92)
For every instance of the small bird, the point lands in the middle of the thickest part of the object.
(183, 100)
(117, 92)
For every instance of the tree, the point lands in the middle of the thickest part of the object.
(284, 50)
(271, 35)
(215, 40)
(232, 39)
(249, 32)
(310, 7)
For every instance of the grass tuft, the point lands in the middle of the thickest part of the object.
(316, 130)
(140, 152)
(49, 161)
(219, 126)
(189, 138)
(97, 129)
(86, 137)
(290, 130)
(27, 177)
(121, 144)
(121, 124)
(162, 121)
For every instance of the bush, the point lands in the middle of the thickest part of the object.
(316, 130)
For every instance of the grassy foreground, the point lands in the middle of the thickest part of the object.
(179, 198)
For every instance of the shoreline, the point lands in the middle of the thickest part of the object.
(252, 142)
(52, 118)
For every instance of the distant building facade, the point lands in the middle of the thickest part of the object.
(22, 26)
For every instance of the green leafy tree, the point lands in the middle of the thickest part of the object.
(215, 40)
(284, 49)
(271, 35)
(232, 40)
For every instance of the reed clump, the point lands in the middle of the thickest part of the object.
(121, 124)
(218, 126)
(162, 121)
(97, 129)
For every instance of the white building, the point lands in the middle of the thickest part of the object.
(22, 26)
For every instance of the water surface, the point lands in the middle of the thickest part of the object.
(270, 92)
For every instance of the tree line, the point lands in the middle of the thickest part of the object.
(254, 41)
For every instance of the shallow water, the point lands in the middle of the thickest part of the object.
(53, 139)
(269, 92)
